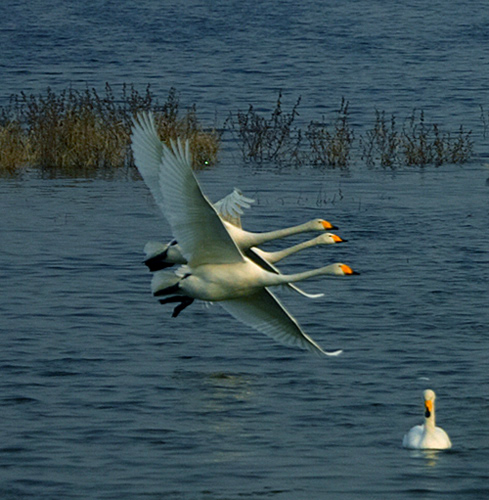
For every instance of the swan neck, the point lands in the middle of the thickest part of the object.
(430, 421)
(282, 254)
(280, 233)
(277, 279)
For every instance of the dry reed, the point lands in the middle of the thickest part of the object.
(83, 130)
(331, 146)
(262, 139)
(417, 143)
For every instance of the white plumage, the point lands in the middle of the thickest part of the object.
(216, 269)
(427, 436)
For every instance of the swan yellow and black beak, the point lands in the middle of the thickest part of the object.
(328, 225)
(337, 239)
(428, 408)
(348, 270)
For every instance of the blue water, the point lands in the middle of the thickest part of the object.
(104, 395)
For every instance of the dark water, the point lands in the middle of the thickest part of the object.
(103, 395)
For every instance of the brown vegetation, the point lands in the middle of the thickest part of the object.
(277, 139)
(83, 130)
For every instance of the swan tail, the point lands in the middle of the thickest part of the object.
(164, 283)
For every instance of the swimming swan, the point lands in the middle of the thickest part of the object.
(216, 268)
(427, 436)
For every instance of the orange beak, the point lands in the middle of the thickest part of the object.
(347, 269)
(336, 238)
(328, 225)
(428, 408)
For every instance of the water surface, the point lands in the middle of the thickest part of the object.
(104, 395)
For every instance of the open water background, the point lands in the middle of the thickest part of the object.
(103, 395)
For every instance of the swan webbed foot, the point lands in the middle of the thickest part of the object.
(184, 302)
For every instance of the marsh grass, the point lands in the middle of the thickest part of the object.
(84, 130)
(76, 131)
(417, 143)
(262, 139)
(279, 140)
(14, 147)
(331, 146)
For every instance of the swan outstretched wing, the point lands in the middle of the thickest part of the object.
(264, 312)
(195, 223)
(147, 149)
(230, 208)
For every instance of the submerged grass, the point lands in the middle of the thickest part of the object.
(263, 139)
(416, 143)
(85, 130)
(331, 144)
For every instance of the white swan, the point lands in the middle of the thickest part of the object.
(160, 255)
(217, 270)
(266, 260)
(247, 239)
(427, 436)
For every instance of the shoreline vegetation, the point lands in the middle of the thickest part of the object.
(88, 131)
(84, 131)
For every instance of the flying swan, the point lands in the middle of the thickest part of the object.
(159, 255)
(427, 436)
(216, 270)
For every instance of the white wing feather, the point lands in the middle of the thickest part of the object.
(195, 223)
(147, 149)
(265, 313)
(230, 207)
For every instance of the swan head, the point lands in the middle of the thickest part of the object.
(330, 238)
(339, 269)
(429, 402)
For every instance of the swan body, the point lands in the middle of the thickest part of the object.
(171, 253)
(216, 269)
(216, 282)
(148, 152)
(427, 436)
